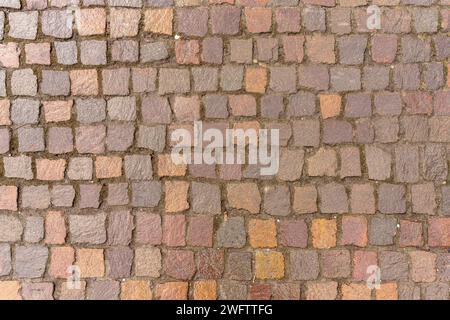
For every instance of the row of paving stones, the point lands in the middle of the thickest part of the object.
(220, 20)
(181, 230)
(317, 48)
(405, 164)
(224, 289)
(308, 133)
(410, 78)
(276, 200)
(404, 274)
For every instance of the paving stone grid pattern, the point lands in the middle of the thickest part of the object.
(89, 97)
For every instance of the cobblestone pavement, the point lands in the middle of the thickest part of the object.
(91, 92)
